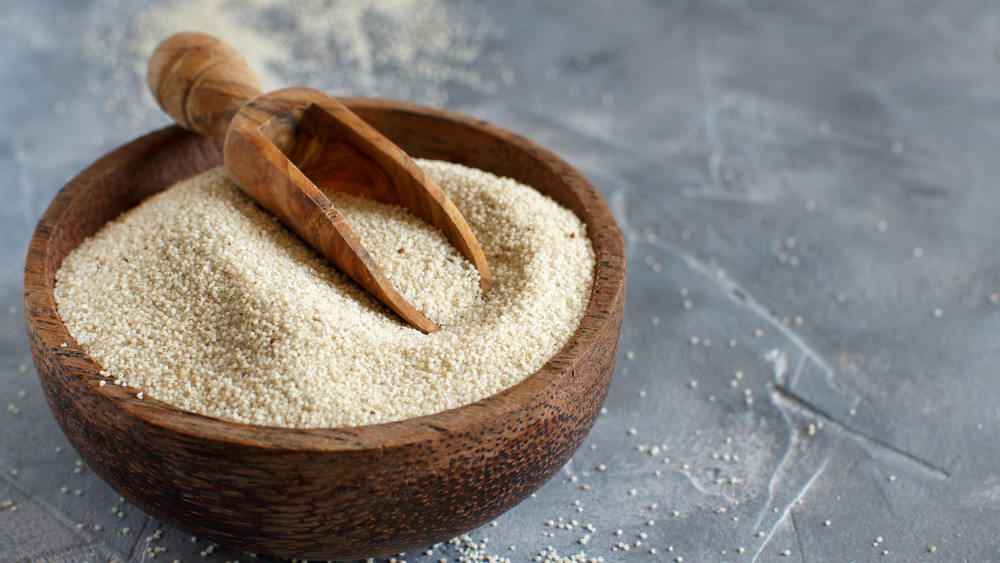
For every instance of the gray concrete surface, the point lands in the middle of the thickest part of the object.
(809, 360)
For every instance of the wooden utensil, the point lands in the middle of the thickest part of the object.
(280, 148)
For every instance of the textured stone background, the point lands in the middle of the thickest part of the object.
(808, 194)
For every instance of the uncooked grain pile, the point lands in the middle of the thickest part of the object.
(199, 298)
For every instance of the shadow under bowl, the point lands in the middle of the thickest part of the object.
(339, 493)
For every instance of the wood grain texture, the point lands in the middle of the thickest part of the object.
(340, 493)
(282, 147)
(200, 81)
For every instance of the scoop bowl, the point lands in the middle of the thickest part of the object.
(339, 493)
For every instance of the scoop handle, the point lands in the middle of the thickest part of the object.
(201, 81)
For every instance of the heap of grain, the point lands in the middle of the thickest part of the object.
(200, 299)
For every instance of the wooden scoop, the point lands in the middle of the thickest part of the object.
(280, 146)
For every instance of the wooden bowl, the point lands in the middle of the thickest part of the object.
(340, 493)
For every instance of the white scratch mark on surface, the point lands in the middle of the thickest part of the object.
(783, 396)
(988, 498)
(799, 368)
(735, 292)
(140, 543)
(797, 460)
(710, 120)
(780, 361)
(788, 507)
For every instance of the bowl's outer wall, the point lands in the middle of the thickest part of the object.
(326, 494)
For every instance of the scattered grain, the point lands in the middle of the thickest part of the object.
(389, 48)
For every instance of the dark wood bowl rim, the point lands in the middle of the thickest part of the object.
(609, 250)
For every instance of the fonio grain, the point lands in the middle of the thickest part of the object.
(200, 299)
